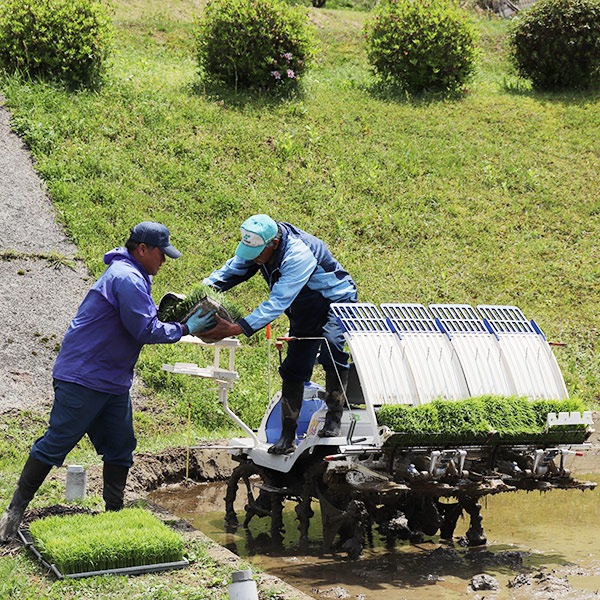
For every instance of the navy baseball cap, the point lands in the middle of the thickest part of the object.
(154, 234)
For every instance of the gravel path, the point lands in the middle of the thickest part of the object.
(37, 298)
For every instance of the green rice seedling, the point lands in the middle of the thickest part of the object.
(510, 415)
(179, 308)
(128, 538)
(174, 307)
(503, 417)
(463, 419)
(410, 419)
(543, 407)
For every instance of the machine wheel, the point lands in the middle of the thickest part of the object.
(475, 534)
(450, 513)
(304, 511)
(260, 501)
(344, 518)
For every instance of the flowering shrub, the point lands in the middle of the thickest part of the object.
(422, 45)
(556, 43)
(263, 44)
(66, 40)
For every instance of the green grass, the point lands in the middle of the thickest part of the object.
(490, 198)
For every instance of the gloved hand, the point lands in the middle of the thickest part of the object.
(199, 322)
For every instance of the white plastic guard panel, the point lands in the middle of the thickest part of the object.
(382, 367)
(482, 362)
(530, 360)
(410, 354)
(435, 366)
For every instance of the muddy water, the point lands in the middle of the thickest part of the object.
(557, 532)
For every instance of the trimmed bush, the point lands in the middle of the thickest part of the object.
(556, 44)
(422, 45)
(263, 44)
(66, 40)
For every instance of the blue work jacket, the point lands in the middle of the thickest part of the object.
(303, 277)
(114, 321)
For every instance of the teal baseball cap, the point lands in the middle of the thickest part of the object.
(257, 232)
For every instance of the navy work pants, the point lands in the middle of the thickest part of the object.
(77, 410)
(303, 353)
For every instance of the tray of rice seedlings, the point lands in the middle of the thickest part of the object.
(180, 307)
(482, 420)
(128, 542)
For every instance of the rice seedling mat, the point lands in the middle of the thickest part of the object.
(202, 298)
(482, 421)
(129, 542)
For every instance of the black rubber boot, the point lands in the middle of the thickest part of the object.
(335, 389)
(115, 478)
(33, 475)
(292, 393)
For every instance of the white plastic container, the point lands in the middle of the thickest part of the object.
(243, 587)
(76, 483)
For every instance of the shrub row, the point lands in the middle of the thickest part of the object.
(419, 45)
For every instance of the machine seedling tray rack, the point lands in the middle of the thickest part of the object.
(492, 439)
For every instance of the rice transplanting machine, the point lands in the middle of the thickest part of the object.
(406, 487)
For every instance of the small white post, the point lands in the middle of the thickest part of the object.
(243, 587)
(76, 483)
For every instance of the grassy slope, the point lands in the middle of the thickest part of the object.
(490, 199)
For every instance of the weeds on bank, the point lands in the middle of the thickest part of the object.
(56, 260)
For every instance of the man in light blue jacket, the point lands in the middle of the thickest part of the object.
(93, 372)
(304, 279)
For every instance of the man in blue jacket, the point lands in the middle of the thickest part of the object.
(93, 372)
(304, 279)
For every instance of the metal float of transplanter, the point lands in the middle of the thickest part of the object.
(370, 476)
